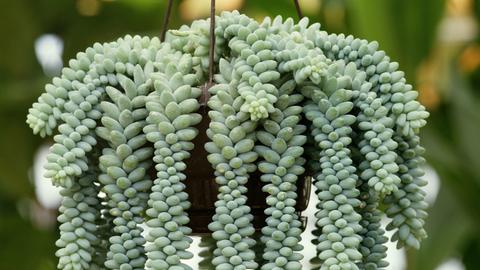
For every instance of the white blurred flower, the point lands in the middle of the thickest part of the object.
(451, 264)
(47, 194)
(49, 49)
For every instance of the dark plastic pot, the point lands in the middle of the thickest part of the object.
(203, 190)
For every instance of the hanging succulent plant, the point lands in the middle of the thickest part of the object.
(126, 114)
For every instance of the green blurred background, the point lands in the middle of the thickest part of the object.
(435, 42)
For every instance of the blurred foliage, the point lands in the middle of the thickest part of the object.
(406, 29)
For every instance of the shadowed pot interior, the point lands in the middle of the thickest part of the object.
(202, 189)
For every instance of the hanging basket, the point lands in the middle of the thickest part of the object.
(202, 189)
(141, 100)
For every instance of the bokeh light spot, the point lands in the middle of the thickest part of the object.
(88, 7)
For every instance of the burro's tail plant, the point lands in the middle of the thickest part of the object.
(288, 99)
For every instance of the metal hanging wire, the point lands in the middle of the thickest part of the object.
(166, 18)
(299, 10)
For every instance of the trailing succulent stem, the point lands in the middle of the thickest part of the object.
(124, 165)
(280, 145)
(232, 156)
(172, 114)
(78, 231)
(330, 112)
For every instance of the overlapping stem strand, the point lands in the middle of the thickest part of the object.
(393, 105)
(375, 167)
(378, 170)
(330, 111)
(125, 164)
(280, 144)
(171, 116)
(338, 241)
(387, 80)
(372, 247)
(379, 166)
(67, 157)
(73, 99)
(404, 115)
(231, 154)
(407, 115)
(45, 114)
(376, 144)
(78, 231)
(256, 69)
(407, 207)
